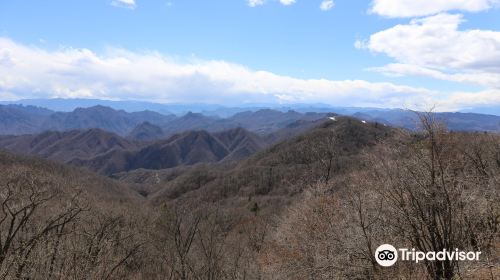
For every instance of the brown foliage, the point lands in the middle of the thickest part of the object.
(315, 207)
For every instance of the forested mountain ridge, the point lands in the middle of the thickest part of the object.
(251, 206)
(108, 153)
(282, 169)
(150, 125)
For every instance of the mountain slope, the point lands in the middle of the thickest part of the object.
(66, 146)
(108, 153)
(105, 118)
(146, 131)
(331, 148)
(196, 121)
(17, 119)
(240, 143)
(266, 120)
(75, 179)
(182, 149)
(296, 128)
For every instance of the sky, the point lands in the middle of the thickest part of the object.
(441, 54)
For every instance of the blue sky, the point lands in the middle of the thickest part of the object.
(383, 53)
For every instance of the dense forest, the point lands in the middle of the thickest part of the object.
(315, 205)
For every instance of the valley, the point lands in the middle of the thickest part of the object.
(236, 183)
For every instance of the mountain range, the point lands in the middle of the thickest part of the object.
(150, 125)
(143, 125)
(236, 180)
(18, 119)
(68, 105)
(277, 171)
(128, 145)
(111, 141)
(108, 153)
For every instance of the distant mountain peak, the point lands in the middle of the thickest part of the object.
(146, 131)
(191, 115)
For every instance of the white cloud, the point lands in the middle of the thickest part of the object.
(327, 5)
(436, 41)
(414, 8)
(467, 100)
(287, 2)
(255, 3)
(435, 47)
(491, 80)
(31, 72)
(130, 4)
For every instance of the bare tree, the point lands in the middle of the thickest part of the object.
(434, 192)
(24, 199)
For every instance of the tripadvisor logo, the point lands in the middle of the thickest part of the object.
(387, 255)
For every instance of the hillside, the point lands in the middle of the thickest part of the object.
(188, 148)
(108, 153)
(190, 121)
(146, 131)
(17, 119)
(83, 225)
(289, 199)
(119, 122)
(277, 171)
(74, 179)
(266, 121)
(240, 143)
(323, 187)
(66, 146)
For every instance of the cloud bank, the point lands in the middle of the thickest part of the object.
(435, 47)
(32, 72)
